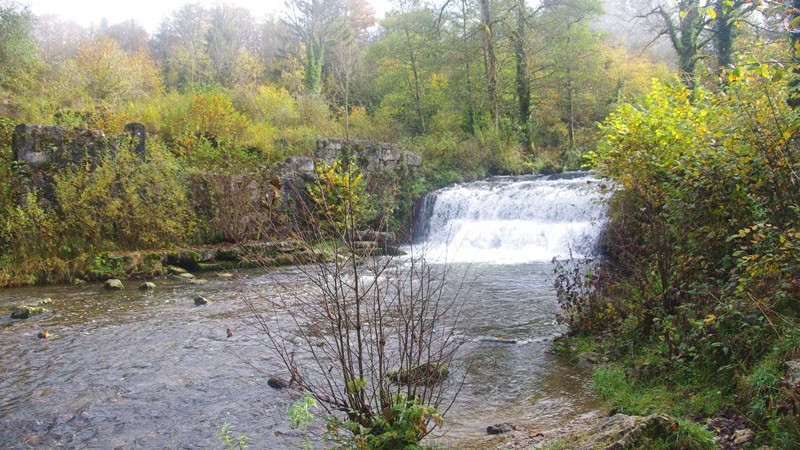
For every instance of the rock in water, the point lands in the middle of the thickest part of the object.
(147, 286)
(113, 285)
(200, 301)
(500, 428)
(31, 309)
(277, 383)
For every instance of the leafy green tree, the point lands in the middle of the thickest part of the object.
(317, 23)
(19, 54)
(230, 32)
(181, 46)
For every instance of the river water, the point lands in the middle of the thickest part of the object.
(134, 369)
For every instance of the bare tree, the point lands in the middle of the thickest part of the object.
(375, 334)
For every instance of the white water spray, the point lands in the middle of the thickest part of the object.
(509, 220)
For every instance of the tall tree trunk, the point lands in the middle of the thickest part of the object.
(522, 80)
(794, 83)
(414, 83)
(470, 119)
(313, 76)
(490, 60)
(570, 108)
(724, 34)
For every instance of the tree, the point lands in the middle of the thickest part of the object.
(229, 35)
(408, 56)
(376, 335)
(522, 78)
(19, 54)
(130, 36)
(316, 23)
(182, 47)
(107, 73)
(490, 59)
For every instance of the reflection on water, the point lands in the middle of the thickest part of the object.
(134, 369)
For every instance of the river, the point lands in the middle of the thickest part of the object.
(149, 369)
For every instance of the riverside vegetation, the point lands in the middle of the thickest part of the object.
(696, 305)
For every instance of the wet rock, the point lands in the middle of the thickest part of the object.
(175, 270)
(224, 275)
(421, 374)
(197, 281)
(147, 286)
(200, 301)
(186, 275)
(30, 309)
(500, 428)
(113, 284)
(277, 383)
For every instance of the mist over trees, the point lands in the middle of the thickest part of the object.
(483, 86)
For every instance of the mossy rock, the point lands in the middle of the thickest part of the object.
(427, 373)
(174, 270)
(31, 309)
(229, 254)
(113, 284)
(207, 267)
(186, 259)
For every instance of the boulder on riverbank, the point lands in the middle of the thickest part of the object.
(30, 309)
(598, 431)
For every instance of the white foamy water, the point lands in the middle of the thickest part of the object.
(510, 220)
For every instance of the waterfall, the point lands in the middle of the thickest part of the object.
(508, 220)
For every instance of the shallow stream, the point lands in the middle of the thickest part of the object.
(149, 369)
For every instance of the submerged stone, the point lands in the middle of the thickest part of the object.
(500, 428)
(147, 286)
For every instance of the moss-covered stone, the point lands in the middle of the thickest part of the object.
(421, 374)
(113, 284)
(31, 309)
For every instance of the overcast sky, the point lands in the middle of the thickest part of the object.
(149, 13)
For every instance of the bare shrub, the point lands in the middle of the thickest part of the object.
(370, 336)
